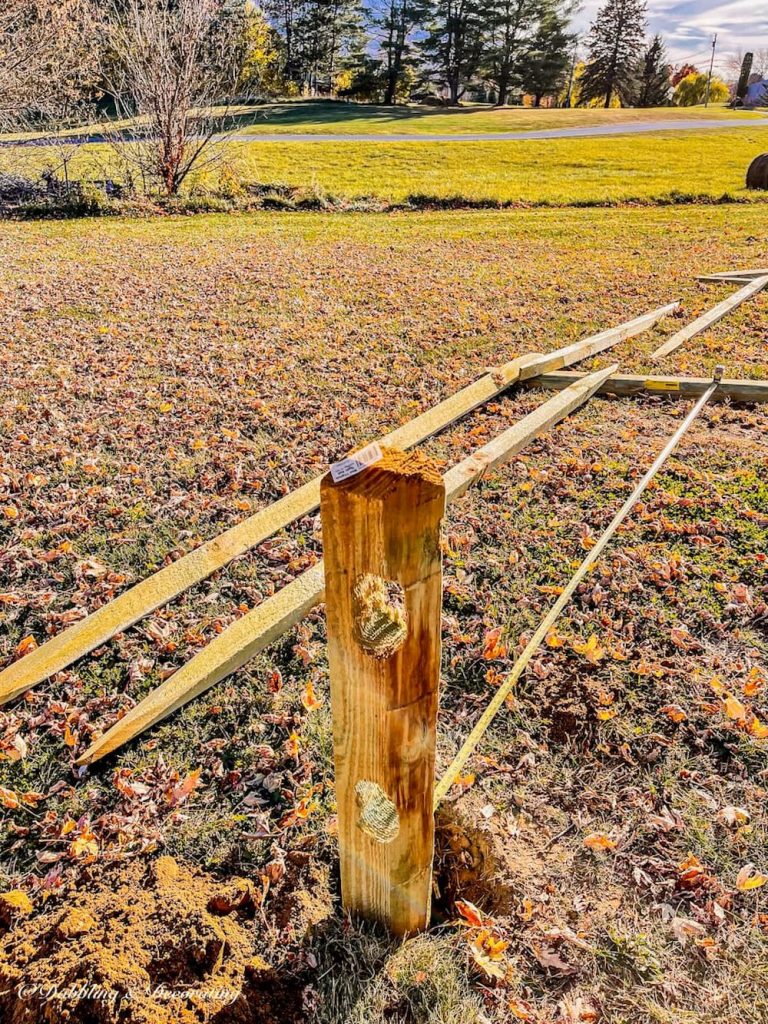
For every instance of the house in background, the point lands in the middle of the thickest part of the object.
(756, 94)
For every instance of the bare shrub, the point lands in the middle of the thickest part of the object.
(173, 68)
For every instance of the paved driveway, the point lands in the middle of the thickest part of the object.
(587, 131)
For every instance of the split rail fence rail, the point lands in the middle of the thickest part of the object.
(381, 581)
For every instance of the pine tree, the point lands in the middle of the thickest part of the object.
(455, 44)
(546, 63)
(615, 40)
(399, 19)
(511, 23)
(653, 74)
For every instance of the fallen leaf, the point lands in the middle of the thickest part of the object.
(734, 708)
(493, 647)
(591, 649)
(683, 928)
(599, 841)
(748, 878)
(734, 815)
(309, 698)
(27, 645)
(472, 915)
(754, 682)
(180, 792)
(9, 799)
(549, 959)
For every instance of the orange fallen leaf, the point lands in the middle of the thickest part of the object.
(757, 728)
(717, 686)
(27, 644)
(84, 845)
(309, 698)
(554, 639)
(493, 647)
(520, 1010)
(590, 649)
(180, 792)
(754, 681)
(293, 745)
(599, 841)
(606, 714)
(673, 712)
(8, 798)
(473, 915)
(734, 708)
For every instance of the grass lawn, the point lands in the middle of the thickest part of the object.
(554, 171)
(169, 376)
(319, 117)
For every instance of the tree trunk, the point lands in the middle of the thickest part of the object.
(503, 84)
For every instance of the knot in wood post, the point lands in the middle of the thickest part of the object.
(383, 587)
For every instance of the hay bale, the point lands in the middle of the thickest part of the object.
(757, 175)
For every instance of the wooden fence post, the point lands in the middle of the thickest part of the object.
(383, 591)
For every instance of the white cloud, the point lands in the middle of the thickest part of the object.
(688, 27)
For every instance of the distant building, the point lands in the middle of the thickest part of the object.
(757, 94)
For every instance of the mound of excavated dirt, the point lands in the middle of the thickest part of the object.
(161, 944)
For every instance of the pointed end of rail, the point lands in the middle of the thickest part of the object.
(105, 744)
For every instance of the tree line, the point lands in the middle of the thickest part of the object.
(385, 51)
(448, 50)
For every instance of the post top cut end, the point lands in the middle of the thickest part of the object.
(393, 465)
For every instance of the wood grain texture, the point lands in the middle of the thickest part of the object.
(385, 524)
(712, 316)
(627, 384)
(166, 584)
(247, 636)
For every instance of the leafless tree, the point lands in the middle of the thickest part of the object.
(172, 67)
(46, 58)
(733, 62)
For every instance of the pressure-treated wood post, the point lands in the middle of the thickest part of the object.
(381, 542)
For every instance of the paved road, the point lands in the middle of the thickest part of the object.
(588, 131)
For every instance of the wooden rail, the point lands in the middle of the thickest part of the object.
(711, 317)
(628, 384)
(160, 588)
(241, 641)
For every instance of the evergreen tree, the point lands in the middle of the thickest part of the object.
(455, 44)
(510, 23)
(320, 38)
(546, 63)
(399, 19)
(653, 76)
(615, 40)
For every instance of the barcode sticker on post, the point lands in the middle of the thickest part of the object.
(354, 464)
(662, 385)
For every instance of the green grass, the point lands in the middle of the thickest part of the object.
(352, 118)
(561, 171)
(554, 171)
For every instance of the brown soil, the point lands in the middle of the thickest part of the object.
(163, 944)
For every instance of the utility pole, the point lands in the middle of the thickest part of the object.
(567, 102)
(711, 65)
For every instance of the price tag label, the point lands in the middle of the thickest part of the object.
(356, 463)
(662, 385)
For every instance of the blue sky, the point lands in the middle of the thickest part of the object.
(688, 27)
